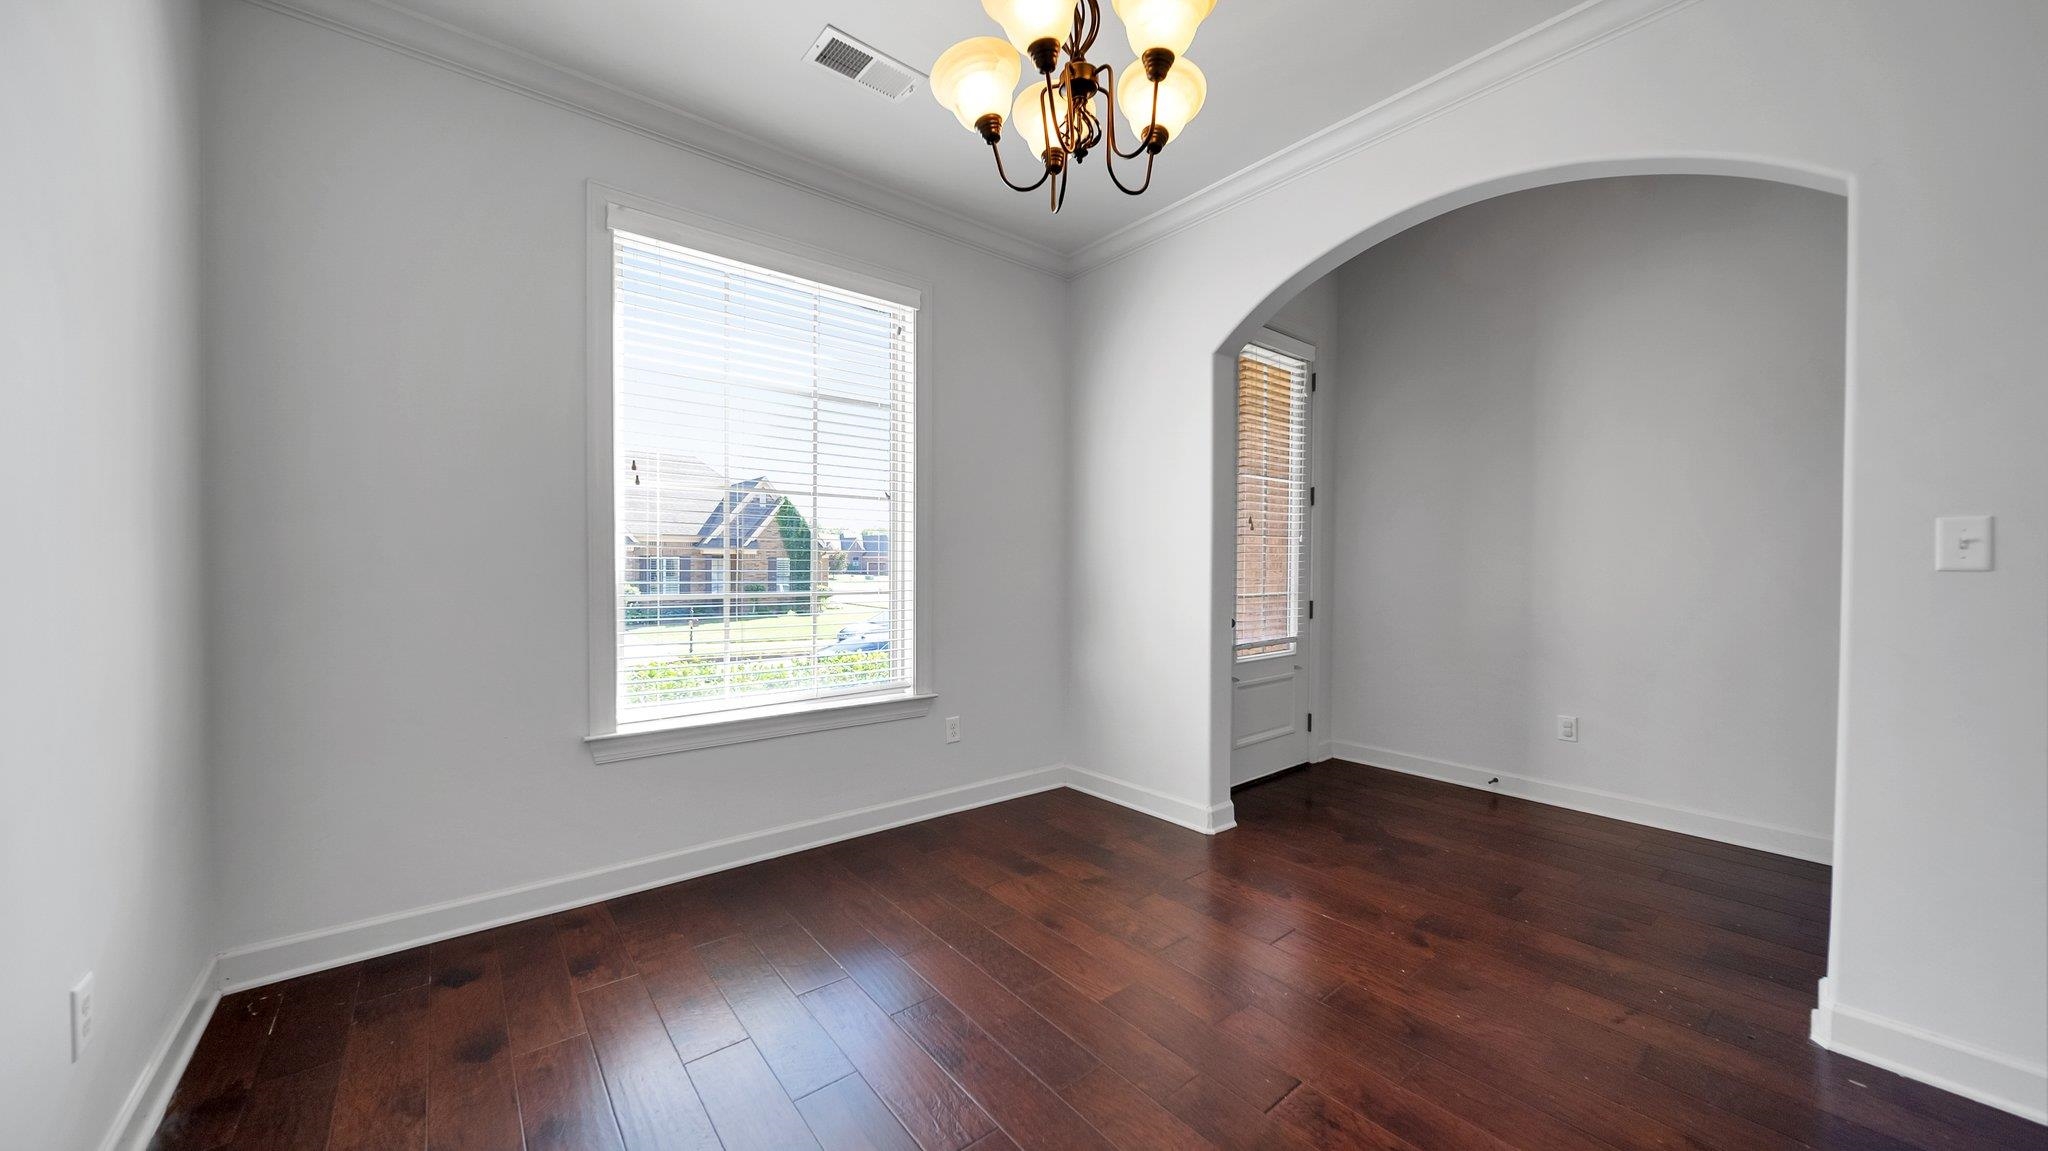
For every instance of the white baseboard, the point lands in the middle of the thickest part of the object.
(1972, 1072)
(1684, 820)
(283, 958)
(135, 1123)
(1158, 804)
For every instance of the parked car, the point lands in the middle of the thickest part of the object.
(848, 647)
(875, 626)
(871, 634)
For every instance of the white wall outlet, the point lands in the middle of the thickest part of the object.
(1568, 728)
(952, 729)
(1962, 544)
(81, 1016)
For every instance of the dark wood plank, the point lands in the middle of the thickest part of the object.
(1224, 1118)
(688, 913)
(1128, 1117)
(1311, 1119)
(1090, 974)
(381, 1101)
(931, 1107)
(656, 1106)
(748, 1106)
(1368, 1092)
(591, 947)
(562, 1101)
(1211, 1051)
(796, 956)
(312, 1022)
(1115, 1041)
(540, 1002)
(884, 976)
(1028, 1036)
(1031, 1113)
(698, 1018)
(471, 1100)
(289, 1113)
(789, 1039)
(398, 971)
(207, 1104)
(847, 1115)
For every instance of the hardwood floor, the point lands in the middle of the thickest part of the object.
(1367, 960)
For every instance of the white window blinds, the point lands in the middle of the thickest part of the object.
(1272, 499)
(763, 459)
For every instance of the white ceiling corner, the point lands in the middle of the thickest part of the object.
(1293, 84)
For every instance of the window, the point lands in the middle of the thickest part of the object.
(1272, 499)
(759, 413)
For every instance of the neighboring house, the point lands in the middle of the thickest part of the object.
(867, 553)
(697, 541)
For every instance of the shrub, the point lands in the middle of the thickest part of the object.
(706, 677)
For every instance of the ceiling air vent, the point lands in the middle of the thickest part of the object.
(863, 65)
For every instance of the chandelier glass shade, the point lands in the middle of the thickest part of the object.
(1070, 111)
(975, 78)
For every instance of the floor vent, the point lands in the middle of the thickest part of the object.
(864, 65)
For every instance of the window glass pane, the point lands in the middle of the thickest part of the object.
(1272, 500)
(763, 448)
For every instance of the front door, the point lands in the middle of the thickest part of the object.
(1270, 667)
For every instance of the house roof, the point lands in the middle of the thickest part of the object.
(739, 517)
(679, 496)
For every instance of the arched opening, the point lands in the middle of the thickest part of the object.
(1806, 834)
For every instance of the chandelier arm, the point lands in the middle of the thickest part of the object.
(1140, 189)
(998, 152)
(1087, 22)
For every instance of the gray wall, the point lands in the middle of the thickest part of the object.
(1587, 448)
(396, 295)
(103, 793)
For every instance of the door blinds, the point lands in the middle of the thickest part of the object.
(1272, 499)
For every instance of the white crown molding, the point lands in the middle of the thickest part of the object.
(486, 60)
(1585, 26)
(1582, 27)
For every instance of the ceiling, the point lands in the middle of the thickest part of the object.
(1279, 70)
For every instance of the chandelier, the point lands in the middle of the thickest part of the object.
(1057, 117)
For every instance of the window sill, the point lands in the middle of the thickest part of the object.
(640, 741)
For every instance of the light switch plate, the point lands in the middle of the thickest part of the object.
(81, 1016)
(1962, 544)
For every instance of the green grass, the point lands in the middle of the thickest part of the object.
(763, 633)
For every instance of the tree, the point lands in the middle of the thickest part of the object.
(797, 545)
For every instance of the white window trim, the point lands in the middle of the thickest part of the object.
(609, 741)
(1297, 647)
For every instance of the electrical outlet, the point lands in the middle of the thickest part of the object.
(81, 1016)
(952, 729)
(1568, 728)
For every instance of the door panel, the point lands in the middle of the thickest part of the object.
(1268, 724)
